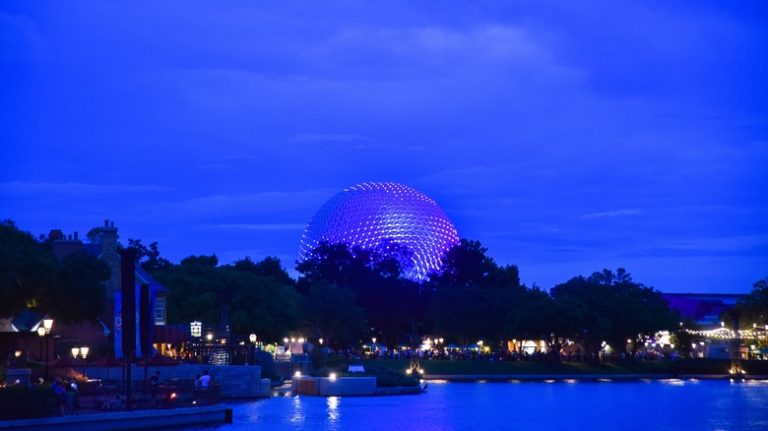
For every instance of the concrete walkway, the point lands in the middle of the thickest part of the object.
(137, 419)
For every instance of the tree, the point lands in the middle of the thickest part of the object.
(80, 293)
(466, 264)
(474, 298)
(199, 288)
(331, 313)
(753, 308)
(393, 305)
(70, 290)
(611, 307)
(27, 269)
(148, 256)
(270, 266)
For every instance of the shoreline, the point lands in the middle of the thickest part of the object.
(127, 420)
(581, 377)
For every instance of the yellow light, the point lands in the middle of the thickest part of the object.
(17, 353)
(75, 351)
(297, 373)
(84, 351)
(41, 331)
(209, 336)
(47, 324)
(332, 377)
(409, 371)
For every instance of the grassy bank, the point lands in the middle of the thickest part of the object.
(458, 368)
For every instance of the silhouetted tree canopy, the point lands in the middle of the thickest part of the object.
(753, 308)
(331, 313)
(148, 256)
(611, 307)
(199, 288)
(70, 289)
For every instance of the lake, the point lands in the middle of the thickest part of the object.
(649, 405)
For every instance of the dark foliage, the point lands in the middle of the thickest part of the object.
(23, 402)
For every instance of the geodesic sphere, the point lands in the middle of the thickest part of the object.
(372, 215)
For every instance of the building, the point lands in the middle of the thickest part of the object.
(705, 309)
(98, 336)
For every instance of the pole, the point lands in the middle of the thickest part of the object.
(46, 356)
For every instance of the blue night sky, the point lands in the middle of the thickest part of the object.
(565, 136)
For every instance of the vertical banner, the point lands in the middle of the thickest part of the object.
(118, 326)
(128, 303)
(145, 321)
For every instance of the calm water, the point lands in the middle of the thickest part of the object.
(646, 405)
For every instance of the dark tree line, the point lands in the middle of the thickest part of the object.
(347, 295)
(474, 298)
(70, 289)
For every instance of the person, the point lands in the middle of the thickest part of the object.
(71, 394)
(205, 380)
(76, 394)
(154, 386)
(60, 395)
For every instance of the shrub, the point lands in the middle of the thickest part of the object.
(388, 378)
(22, 402)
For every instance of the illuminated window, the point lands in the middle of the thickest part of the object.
(160, 310)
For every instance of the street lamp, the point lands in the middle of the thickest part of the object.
(84, 351)
(373, 346)
(252, 338)
(320, 341)
(75, 352)
(43, 332)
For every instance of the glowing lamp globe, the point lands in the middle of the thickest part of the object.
(375, 215)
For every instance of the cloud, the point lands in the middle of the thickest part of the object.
(253, 203)
(325, 137)
(20, 41)
(257, 226)
(615, 213)
(26, 188)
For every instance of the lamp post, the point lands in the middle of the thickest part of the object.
(43, 332)
(373, 346)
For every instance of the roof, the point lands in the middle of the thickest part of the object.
(143, 277)
(26, 320)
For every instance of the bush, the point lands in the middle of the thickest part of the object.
(390, 378)
(23, 402)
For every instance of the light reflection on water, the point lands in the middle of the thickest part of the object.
(333, 409)
(297, 417)
(671, 404)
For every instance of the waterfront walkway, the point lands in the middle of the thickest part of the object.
(127, 420)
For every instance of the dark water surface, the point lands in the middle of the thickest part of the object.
(609, 405)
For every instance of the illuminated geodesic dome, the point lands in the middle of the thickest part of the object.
(375, 215)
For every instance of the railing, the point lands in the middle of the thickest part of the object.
(110, 395)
